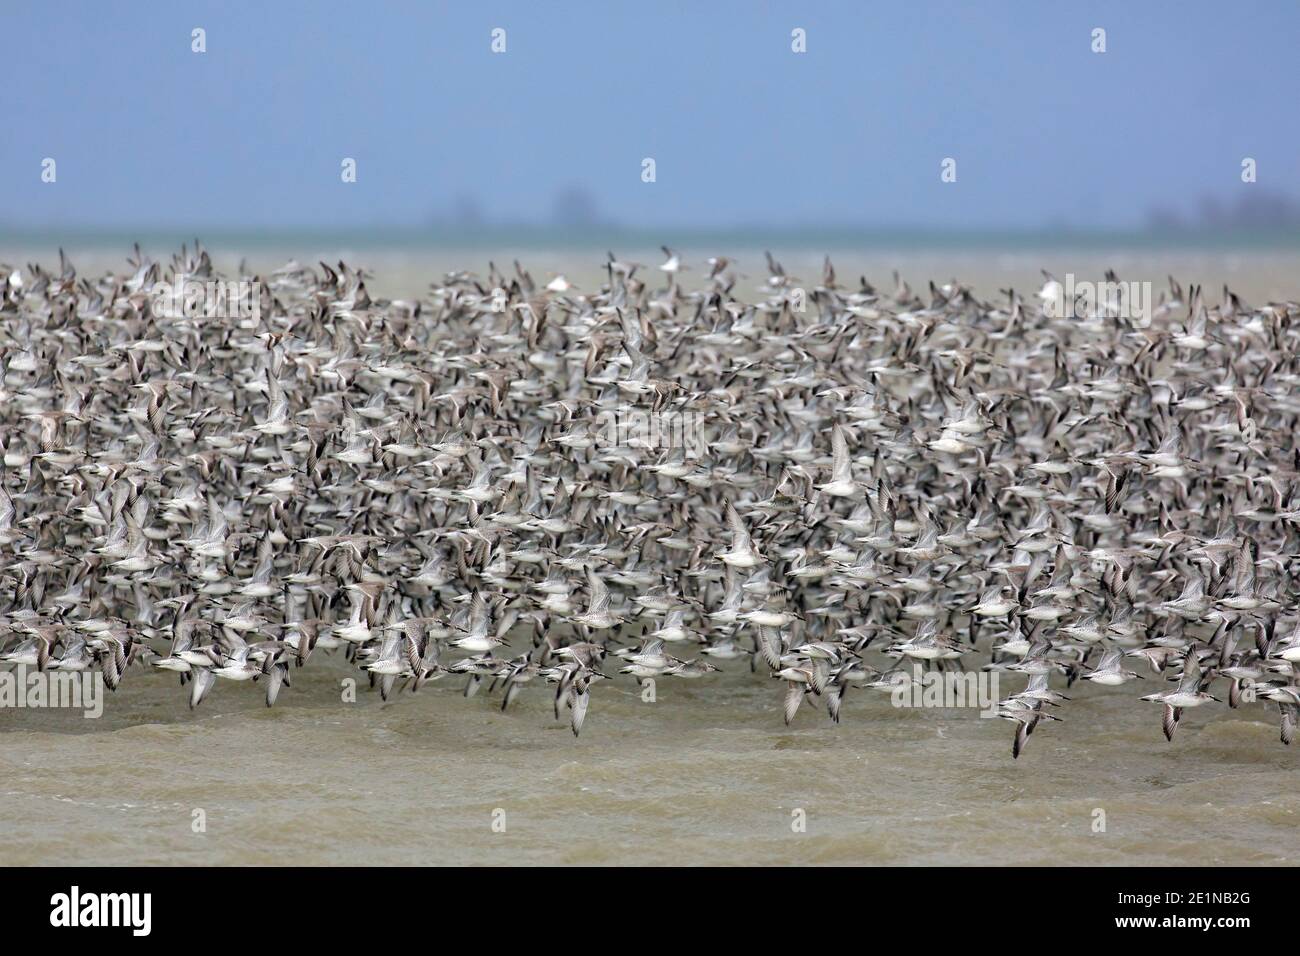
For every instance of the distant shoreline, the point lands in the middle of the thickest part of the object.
(529, 237)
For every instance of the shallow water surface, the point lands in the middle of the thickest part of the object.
(706, 774)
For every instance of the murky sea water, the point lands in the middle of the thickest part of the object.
(706, 774)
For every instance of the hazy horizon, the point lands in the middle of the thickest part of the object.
(746, 134)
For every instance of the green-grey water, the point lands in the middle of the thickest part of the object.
(707, 773)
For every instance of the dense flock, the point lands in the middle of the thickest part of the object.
(523, 485)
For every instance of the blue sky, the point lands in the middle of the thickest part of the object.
(251, 133)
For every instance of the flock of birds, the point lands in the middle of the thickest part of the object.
(882, 479)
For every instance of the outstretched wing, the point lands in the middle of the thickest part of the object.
(793, 698)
